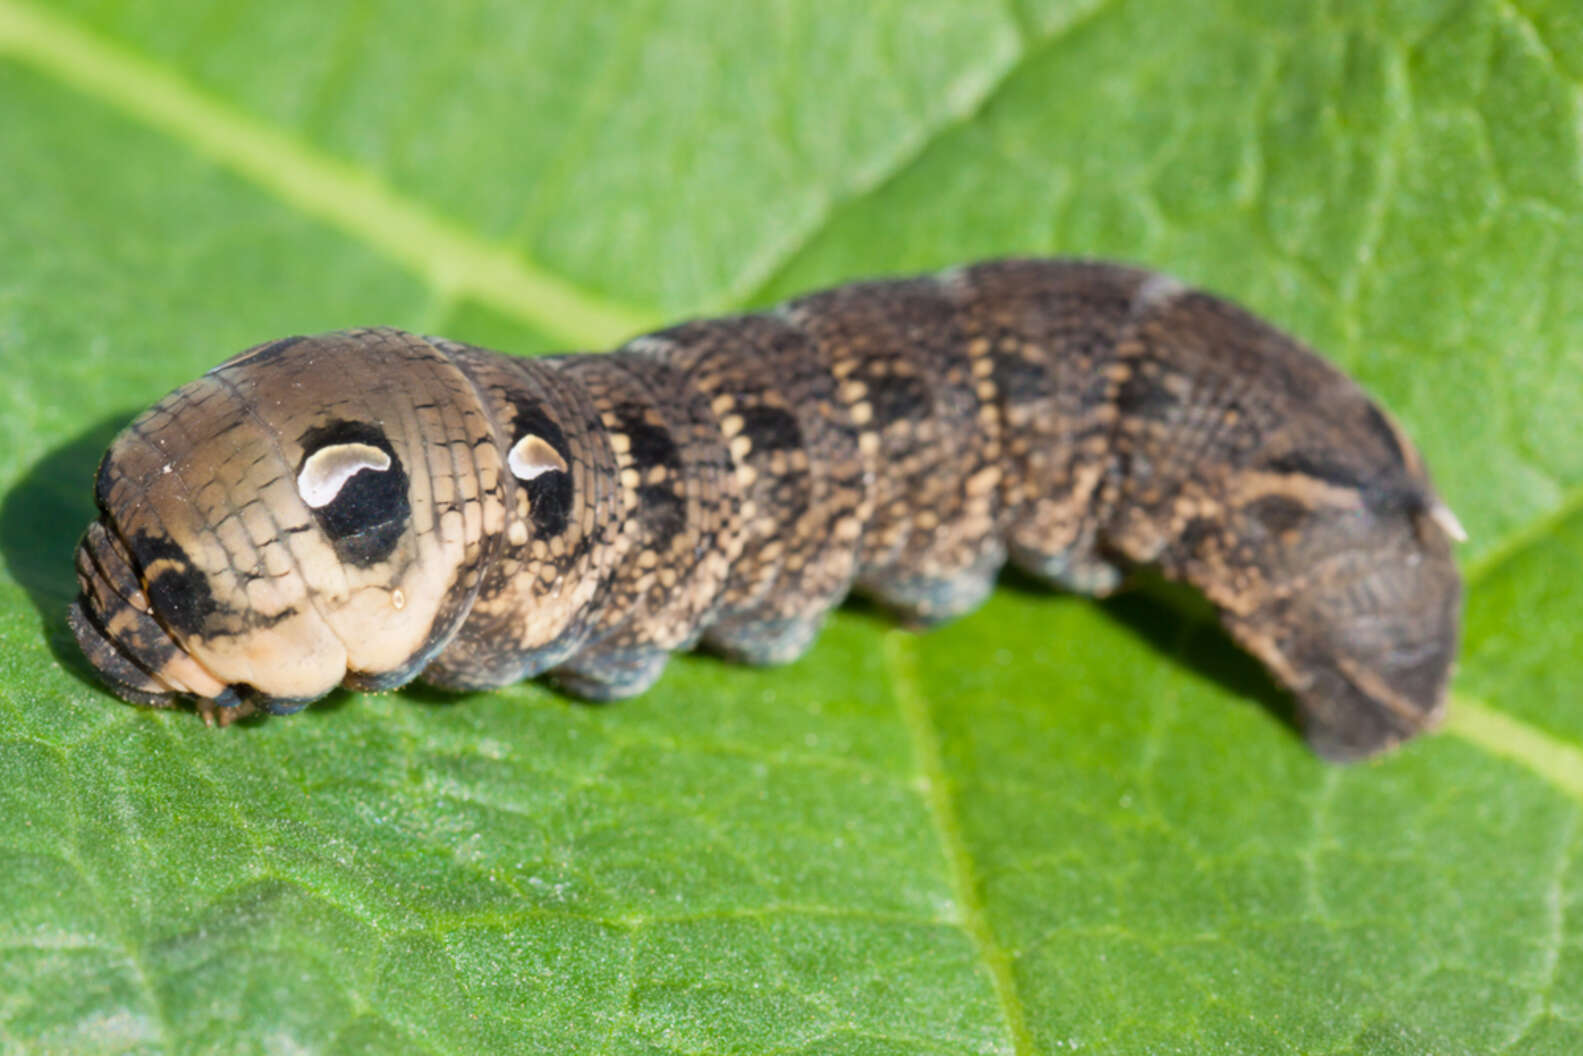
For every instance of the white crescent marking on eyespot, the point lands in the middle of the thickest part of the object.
(533, 455)
(328, 469)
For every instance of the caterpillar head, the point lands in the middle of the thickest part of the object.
(310, 513)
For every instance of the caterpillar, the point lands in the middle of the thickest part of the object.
(365, 507)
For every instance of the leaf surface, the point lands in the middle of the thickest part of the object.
(1053, 826)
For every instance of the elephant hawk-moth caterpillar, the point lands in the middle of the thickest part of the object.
(366, 507)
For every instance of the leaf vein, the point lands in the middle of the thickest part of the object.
(1554, 939)
(1502, 735)
(901, 665)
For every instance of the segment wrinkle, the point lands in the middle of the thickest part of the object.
(290, 553)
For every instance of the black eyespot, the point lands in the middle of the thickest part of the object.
(771, 429)
(367, 515)
(1022, 379)
(899, 396)
(1144, 396)
(178, 591)
(549, 494)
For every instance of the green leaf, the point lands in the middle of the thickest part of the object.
(1053, 826)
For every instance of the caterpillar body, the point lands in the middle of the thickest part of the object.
(370, 506)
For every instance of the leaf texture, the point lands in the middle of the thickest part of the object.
(1054, 826)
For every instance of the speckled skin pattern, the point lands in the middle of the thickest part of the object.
(369, 506)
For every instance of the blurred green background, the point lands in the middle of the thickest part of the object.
(1055, 826)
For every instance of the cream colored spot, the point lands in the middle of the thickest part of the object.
(649, 345)
(532, 456)
(1155, 291)
(398, 599)
(517, 534)
(982, 482)
(328, 469)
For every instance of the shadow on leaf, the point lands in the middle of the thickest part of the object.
(41, 519)
(1181, 624)
(1176, 620)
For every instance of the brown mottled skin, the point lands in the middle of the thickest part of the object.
(370, 506)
